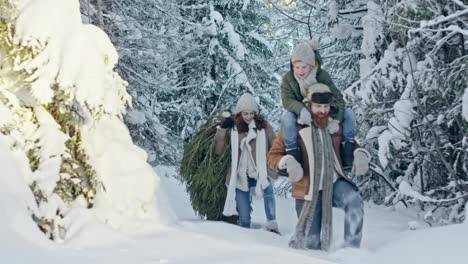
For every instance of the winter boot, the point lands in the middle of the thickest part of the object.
(272, 226)
(347, 154)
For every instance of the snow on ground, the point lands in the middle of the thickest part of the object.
(387, 236)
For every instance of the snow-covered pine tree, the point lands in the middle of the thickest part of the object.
(412, 79)
(61, 114)
(412, 82)
(186, 60)
(147, 38)
(224, 55)
(337, 26)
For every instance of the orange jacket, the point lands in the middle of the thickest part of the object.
(278, 151)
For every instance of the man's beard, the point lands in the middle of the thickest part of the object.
(320, 120)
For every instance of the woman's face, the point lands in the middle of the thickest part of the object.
(248, 116)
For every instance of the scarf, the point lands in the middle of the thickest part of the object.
(230, 205)
(305, 84)
(246, 165)
(322, 164)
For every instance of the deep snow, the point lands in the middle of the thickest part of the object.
(188, 239)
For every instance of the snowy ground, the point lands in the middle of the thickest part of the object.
(387, 238)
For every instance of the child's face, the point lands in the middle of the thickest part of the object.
(302, 69)
(248, 116)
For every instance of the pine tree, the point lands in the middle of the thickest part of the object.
(411, 92)
(224, 56)
(51, 103)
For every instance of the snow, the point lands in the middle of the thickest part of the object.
(465, 104)
(373, 29)
(76, 55)
(135, 117)
(388, 235)
(372, 36)
(234, 40)
(73, 64)
(342, 31)
(384, 147)
(246, 4)
(406, 189)
(332, 10)
(441, 19)
(261, 39)
(400, 124)
(215, 15)
(141, 215)
(128, 182)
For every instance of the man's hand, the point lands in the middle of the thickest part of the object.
(294, 168)
(305, 118)
(361, 162)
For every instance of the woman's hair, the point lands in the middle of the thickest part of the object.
(242, 126)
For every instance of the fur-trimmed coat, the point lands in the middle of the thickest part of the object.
(222, 138)
(278, 151)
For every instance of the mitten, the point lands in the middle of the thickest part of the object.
(361, 162)
(294, 168)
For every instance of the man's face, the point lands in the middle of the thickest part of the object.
(248, 116)
(302, 69)
(320, 110)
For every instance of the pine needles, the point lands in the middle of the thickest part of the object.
(203, 173)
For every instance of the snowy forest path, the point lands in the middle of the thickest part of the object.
(382, 225)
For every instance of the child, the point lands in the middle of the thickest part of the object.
(305, 71)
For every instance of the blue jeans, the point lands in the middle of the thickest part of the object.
(289, 125)
(346, 197)
(244, 200)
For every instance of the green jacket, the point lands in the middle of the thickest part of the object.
(291, 92)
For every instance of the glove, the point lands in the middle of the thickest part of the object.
(305, 117)
(227, 123)
(294, 169)
(361, 162)
(226, 120)
(333, 126)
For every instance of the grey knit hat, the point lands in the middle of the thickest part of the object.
(305, 52)
(246, 103)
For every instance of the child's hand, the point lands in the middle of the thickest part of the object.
(304, 118)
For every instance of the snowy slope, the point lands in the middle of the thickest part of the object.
(387, 237)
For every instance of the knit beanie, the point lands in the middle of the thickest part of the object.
(305, 52)
(319, 93)
(246, 103)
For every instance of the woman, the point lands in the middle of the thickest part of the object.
(250, 137)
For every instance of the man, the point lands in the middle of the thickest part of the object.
(318, 182)
(306, 70)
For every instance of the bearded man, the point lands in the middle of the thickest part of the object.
(318, 182)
